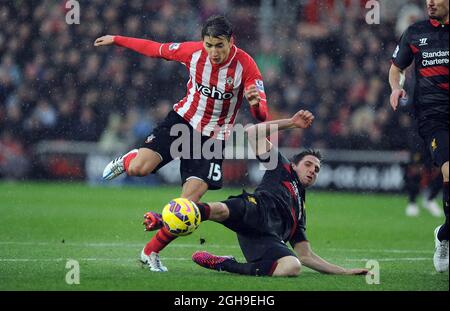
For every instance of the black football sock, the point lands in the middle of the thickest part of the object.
(259, 268)
(205, 210)
(443, 231)
(435, 187)
(412, 186)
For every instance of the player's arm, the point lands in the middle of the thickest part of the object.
(401, 59)
(180, 52)
(142, 46)
(257, 102)
(257, 134)
(309, 259)
(254, 91)
(396, 80)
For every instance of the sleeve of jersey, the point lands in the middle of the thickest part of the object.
(253, 77)
(403, 54)
(268, 160)
(180, 52)
(142, 46)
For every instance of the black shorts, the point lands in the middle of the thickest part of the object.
(257, 240)
(265, 247)
(194, 164)
(435, 135)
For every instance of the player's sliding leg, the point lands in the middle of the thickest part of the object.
(135, 163)
(441, 233)
(285, 266)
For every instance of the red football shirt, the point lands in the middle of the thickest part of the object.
(214, 91)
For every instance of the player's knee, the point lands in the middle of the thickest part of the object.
(288, 266)
(194, 189)
(445, 171)
(193, 196)
(294, 268)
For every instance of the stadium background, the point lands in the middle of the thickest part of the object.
(67, 108)
(321, 55)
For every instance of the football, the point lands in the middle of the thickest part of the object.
(181, 217)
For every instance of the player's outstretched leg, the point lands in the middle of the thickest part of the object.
(210, 261)
(229, 264)
(137, 162)
(118, 166)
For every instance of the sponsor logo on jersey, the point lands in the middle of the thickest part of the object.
(259, 85)
(435, 58)
(212, 92)
(174, 46)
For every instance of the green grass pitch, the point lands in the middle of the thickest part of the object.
(43, 225)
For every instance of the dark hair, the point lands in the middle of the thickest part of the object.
(217, 26)
(298, 157)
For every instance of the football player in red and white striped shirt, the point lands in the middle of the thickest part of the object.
(220, 75)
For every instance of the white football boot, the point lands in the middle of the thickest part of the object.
(116, 167)
(440, 258)
(412, 210)
(433, 208)
(153, 262)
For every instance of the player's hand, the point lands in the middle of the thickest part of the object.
(357, 272)
(152, 221)
(302, 119)
(105, 40)
(252, 95)
(395, 96)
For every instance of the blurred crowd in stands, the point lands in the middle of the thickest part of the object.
(315, 54)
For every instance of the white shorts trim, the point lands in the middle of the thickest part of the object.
(195, 177)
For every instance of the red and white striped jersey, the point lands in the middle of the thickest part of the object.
(214, 91)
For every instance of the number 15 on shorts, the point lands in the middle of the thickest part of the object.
(215, 173)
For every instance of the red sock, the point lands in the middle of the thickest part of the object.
(160, 240)
(127, 160)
